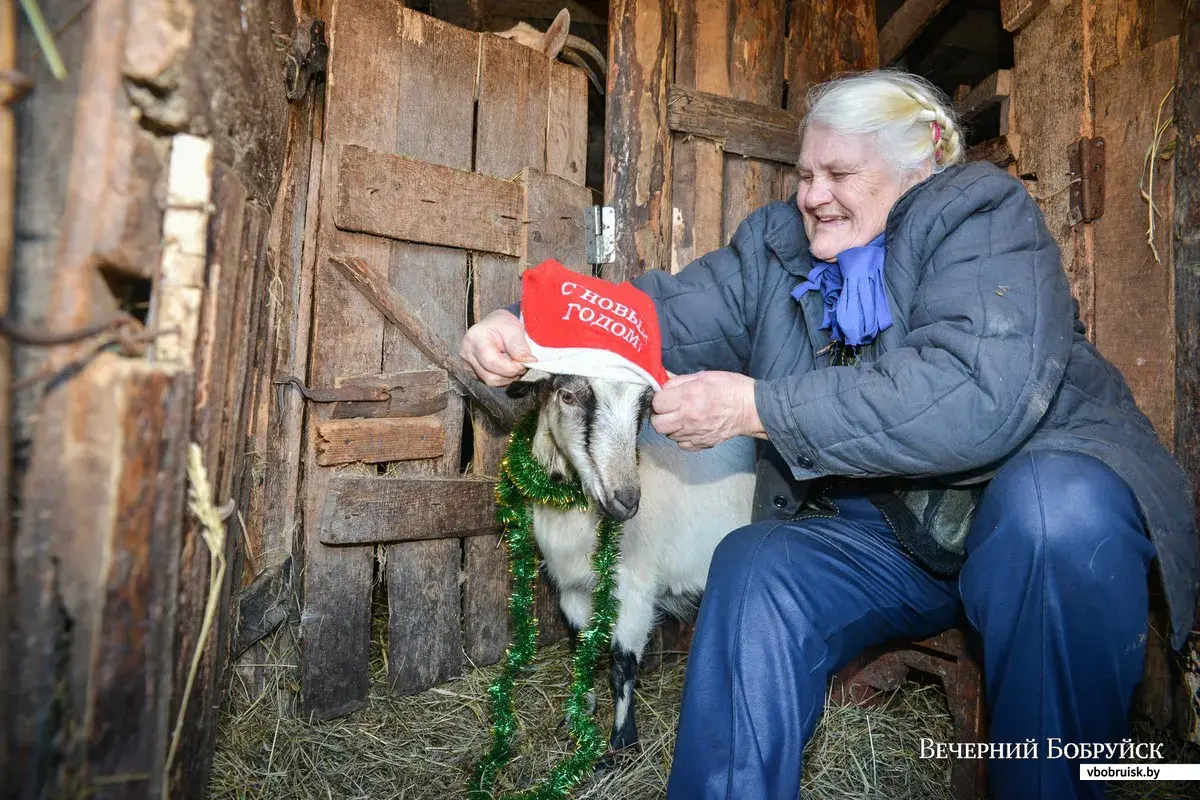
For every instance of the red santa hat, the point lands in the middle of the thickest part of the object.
(580, 325)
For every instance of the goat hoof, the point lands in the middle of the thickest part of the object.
(606, 764)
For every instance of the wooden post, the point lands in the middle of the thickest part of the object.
(637, 159)
(8, 184)
(1187, 287)
(827, 37)
(756, 74)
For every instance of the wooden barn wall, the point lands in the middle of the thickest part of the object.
(412, 100)
(110, 577)
(680, 195)
(1111, 69)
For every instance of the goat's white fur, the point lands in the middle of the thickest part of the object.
(689, 502)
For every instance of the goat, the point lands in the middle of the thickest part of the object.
(558, 41)
(676, 506)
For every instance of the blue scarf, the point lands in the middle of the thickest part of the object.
(856, 306)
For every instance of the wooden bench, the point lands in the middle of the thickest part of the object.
(950, 658)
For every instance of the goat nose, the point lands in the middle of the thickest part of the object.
(625, 501)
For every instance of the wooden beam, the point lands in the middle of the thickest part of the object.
(991, 90)
(400, 313)
(403, 198)
(1001, 151)
(8, 196)
(553, 217)
(567, 123)
(745, 128)
(378, 441)
(1187, 285)
(827, 37)
(1016, 14)
(638, 141)
(1132, 289)
(904, 26)
(385, 510)
(415, 393)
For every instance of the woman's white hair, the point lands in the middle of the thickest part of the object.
(912, 121)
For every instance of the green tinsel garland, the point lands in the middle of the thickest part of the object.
(522, 482)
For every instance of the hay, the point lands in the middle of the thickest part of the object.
(426, 746)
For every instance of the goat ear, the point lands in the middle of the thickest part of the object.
(556, 36)
(532, 381)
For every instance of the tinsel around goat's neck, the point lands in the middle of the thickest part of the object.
(523, 481)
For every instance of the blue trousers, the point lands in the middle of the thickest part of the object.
(1055, 582)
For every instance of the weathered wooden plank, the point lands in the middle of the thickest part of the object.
(347, 339)
(434, 283)
(744, 128)
(423, 591)
(400, 313)
(1001, 151)
(1049, 59)
(424, 643)
(1016, 14)
(402, 198)
(756, 72)
(378, 441)
(514, 90)
(567, 123)
(826, 37)
(133, 660)
(8, 186)
(697, 163)
(905, 25)
(1187, 294)
(638, 140)
(1132, 288)
(497, 282)
(263, 606)
(414, 393)
(229, 267)
(215, 336)
(553, 213)
(991, 90)
(57, 553)
(387, 510)
(290, 303)
(109, 526)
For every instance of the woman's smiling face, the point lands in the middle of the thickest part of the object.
(846, 191)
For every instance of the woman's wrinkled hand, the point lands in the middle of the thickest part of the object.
(496, 348)
(706, 408)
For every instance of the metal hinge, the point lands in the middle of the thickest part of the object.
(1086, 159)
(600, 222)
(307, 59)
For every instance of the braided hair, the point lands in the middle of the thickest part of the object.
(911, 119)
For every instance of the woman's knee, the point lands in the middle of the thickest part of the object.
(1057, 505)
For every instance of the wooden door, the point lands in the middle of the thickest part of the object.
(451, 160)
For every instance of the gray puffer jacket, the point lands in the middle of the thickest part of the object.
(986, 359)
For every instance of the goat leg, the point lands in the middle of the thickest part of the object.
(622, 677)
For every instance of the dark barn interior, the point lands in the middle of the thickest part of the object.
(248, 542)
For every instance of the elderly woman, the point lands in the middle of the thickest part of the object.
(940, 440)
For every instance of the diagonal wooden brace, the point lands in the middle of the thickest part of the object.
(400, 313)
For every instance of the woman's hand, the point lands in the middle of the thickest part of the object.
(704, 409)
(496, 348)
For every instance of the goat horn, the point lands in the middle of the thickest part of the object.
(583, 45)
(579, 61)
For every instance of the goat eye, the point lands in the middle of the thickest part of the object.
(568, 397)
